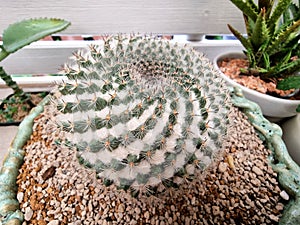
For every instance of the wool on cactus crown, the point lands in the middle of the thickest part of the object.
(143, 110)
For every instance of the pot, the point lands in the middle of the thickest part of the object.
(291, 131)
(40, 95)
(275, 109)
(288, 171)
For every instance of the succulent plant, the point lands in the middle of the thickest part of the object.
(272, 41)
(15, 37)
(143, 111)
(20, 34)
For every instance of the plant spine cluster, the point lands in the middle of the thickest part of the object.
(143, 111)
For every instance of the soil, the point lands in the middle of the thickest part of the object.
(231, 68)
(16, 110)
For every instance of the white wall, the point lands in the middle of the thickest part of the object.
(115, 16)
(111, 16)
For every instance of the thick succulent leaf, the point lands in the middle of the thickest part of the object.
(249, 8)
(282, 39)
(290, 15)
(289, 68)
(248, 24)
(25, 32)
(244, 41)
(289, 83)
(266, 60)
(260, 33)
(277, 13)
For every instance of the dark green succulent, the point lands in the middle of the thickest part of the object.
(272, 40)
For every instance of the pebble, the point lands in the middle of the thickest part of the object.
(77, 197)
(216, 210)
(257, 171)
(121, 208)
(222, 167)
(20, 196)
(284, 195)
(53, 222)
(28, 213)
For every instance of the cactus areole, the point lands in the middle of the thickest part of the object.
(142, 111)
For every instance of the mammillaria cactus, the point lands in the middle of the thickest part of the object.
(143, 111)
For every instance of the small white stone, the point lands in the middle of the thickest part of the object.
(284, 195)
(222, 167)
(20, 196)
(28, 213)
(53, 222)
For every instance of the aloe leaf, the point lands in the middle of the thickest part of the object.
(277, 13)
(249, 8)
(282, 70)
(291, 67)
(289, 83)
(244, 41)
(266, 60)
(260, 32)
(283, 39)
(25, 32)
(248, 24)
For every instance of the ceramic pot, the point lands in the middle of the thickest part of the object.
(291, 131)
(288, 171)
(275, 109)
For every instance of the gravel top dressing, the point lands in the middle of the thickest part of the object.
(240, 188)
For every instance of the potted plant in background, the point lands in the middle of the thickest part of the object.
(271, 60)
(16, 106)
(107, 134)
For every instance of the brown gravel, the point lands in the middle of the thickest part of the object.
(241, 188)
(231, 68)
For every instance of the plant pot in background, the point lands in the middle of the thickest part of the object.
(274, 108)
(291, 131)
(21, 110)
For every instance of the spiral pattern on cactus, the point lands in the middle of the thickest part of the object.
(143, 110)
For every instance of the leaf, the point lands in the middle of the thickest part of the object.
(289, 83)
(249, 8)
(277, 13)
(285, 37)
(244, 41)
(298, 109)
(23, 33)
(283, 70)
(260, 33)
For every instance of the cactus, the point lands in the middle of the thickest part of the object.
(143, 111)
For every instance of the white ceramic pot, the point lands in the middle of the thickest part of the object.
(275, 109)
(291, 137)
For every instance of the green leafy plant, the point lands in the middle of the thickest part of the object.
(15, 37)
(272, 40)
(145, 111)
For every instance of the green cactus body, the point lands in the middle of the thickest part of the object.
(142, 110)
